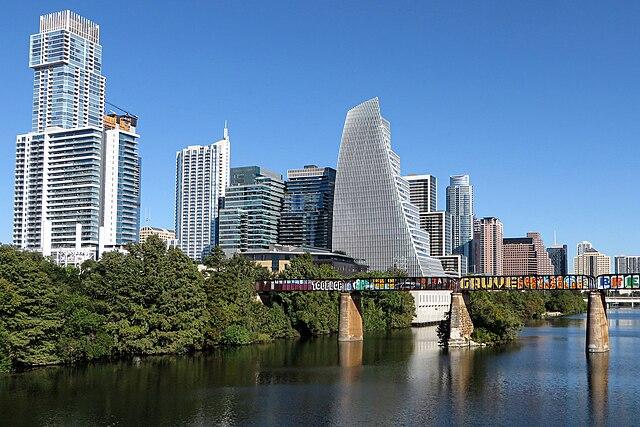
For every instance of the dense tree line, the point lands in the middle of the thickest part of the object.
(154, 300)
(499, 317)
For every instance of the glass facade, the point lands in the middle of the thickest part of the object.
(373, 218)
(460, 207)
(68, 88)
(558, 256)
(252, 208)
(307, 214)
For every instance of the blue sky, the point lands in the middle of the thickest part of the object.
(538, 101)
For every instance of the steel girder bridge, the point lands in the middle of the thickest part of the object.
(461, 326)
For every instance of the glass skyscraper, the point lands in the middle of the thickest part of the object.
(66, 57)
(460, 207)
(373, 218)
(61, 165)
(558, 256)
(307, 214)
(252, 208)
(202, 177)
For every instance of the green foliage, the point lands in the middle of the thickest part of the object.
(154, 300)
(566, 302)
(30, 295)
(235, 316)
(499, 316)
(387, 310)
(494, 319)
(236, 335)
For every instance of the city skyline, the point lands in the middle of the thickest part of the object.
(496, 192)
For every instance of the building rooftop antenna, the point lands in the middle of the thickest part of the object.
(226, 131)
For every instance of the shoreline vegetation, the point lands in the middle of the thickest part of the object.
(498, 317)
(153, 301)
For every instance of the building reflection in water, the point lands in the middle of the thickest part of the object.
(598, 379)
(460, 375)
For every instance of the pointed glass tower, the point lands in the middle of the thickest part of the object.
(373, 218)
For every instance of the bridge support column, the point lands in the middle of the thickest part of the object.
(597, 324)
(460, 324)
(350, 327)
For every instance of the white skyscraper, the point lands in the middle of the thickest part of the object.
(59, 172)
(373, 218)
(202, 176)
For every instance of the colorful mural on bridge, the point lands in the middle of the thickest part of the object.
(349, 285)
(619, 281)
(532, 282)
(470, 283)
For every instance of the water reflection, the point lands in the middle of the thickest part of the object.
(400, 378)
(598, 380)
(350, 353)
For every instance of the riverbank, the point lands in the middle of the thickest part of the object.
(156, 301)
(498, 317)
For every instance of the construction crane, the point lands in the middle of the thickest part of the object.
(121, 109)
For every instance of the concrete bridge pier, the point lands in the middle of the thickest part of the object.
(460, 324)
(350, 326)
(597, 324)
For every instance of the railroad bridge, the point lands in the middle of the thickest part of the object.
(461, 326)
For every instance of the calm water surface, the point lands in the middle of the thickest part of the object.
(399, 379)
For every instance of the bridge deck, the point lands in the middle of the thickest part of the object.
(467, 283)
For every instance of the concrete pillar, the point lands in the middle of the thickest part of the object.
(350, 327)
(460, 325)
(597, 324)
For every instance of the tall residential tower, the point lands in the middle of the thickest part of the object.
(202, 177)
(65, 173)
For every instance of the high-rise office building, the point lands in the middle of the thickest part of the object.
(488, 246)
(120, 182)
(252, 209)
(424, 192)
(60, 180)
(307, 214)
(591, 262)
(558, 256)
(460, 207)
(202, 176)
(625, 264)
(525, 255)
(373, 217)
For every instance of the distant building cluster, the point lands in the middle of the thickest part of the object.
(77, 190)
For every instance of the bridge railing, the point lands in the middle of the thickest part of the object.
(467, 283)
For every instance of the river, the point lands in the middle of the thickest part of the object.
(402, 378)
